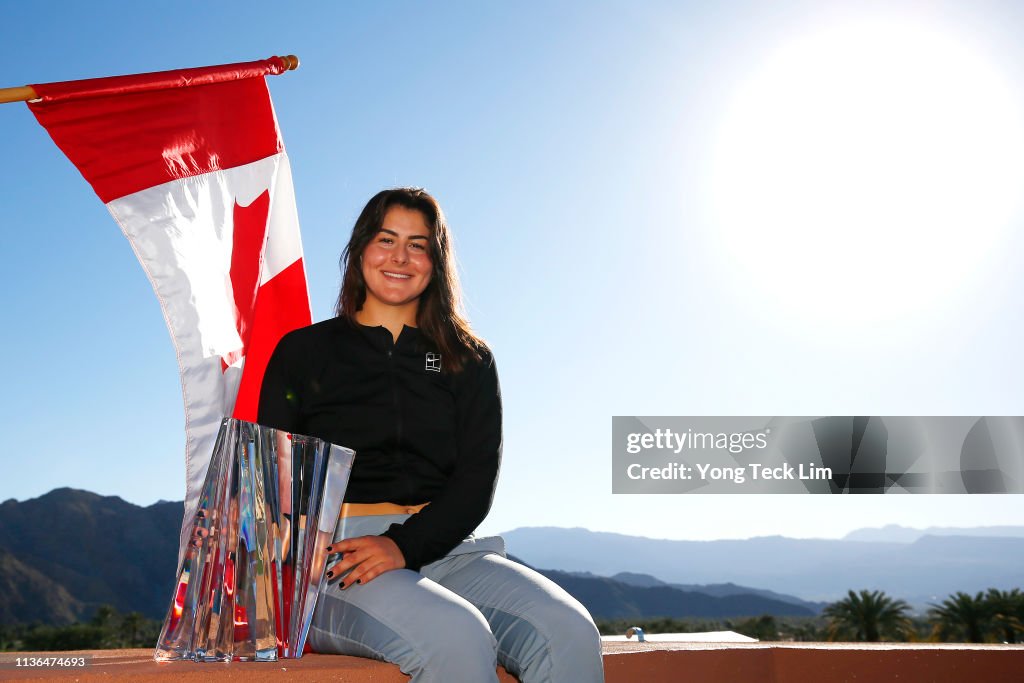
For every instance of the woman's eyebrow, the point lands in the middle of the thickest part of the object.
(412, 237)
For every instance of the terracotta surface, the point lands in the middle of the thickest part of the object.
(138, 665)
(624, 663)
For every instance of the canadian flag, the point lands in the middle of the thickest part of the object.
(191, 165)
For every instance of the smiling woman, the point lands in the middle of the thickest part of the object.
(399, 377)
(867, 169)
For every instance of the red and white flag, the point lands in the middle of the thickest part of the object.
(191, 165)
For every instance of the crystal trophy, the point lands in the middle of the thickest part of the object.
(251, 570)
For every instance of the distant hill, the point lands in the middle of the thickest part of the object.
(69, 551)
(608, 598)
(28, 594)
(926, 570)
(894, 533)
(719, 590)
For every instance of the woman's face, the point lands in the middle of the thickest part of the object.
(396, 263)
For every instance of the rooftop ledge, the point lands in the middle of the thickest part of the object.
(624, 662)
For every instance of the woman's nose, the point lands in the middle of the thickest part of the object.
(399, 255)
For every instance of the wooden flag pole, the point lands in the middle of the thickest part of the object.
(24, 93)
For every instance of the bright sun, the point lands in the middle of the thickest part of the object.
(866, 171)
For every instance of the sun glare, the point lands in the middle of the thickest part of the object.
(865, 171)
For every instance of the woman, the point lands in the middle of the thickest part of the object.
(399, 376)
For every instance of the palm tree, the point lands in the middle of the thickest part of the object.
(962, 617)
(868, 616)
(806, 632)
(1007, 612)
(103, 624)
(763, 627)
(130, 626)
(103, 616)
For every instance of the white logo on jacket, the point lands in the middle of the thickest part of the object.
(433, 362)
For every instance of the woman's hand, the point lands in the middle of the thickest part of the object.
(367, 556)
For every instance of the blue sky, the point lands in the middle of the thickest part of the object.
(621, 251)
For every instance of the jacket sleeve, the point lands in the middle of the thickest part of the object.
(466, 498)
(280, 392)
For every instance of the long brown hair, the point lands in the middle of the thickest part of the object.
(439, 315)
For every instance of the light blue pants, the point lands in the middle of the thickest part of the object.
(452, 621)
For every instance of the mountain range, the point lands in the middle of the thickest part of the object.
(921, 571)
(894, 533)
(69, 551)
(609, 598)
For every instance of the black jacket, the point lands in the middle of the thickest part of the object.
(420, 434)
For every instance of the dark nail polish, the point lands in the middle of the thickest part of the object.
(329, 548)
(359, 580)
(330, 575)
(341, 585)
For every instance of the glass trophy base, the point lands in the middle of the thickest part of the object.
(254, 563)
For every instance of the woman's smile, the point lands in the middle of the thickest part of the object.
(396, 263)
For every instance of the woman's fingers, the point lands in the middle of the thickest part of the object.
(365, 572)
(348, 557)
(366, 556)
(346, 560)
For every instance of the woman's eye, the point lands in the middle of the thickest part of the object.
(417, 246)
(385, 240)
